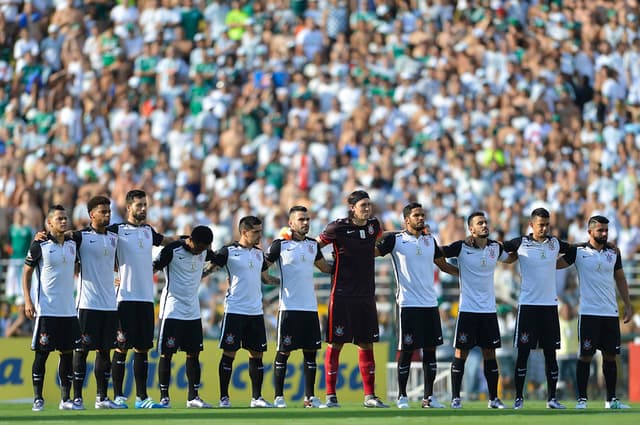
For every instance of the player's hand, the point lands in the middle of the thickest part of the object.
(40, 236)
(116, 282)
(29, 309)
(628, 313)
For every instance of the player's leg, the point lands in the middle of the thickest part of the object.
(119, 361)
(609, 345)
(550, 342)
(406, 346)
(489, 340)
(164, 375)
(194, 373)
(310, 368)
(279, 373)
(457, 372)
(229, 343)
(37, 377)
(65, 374)
(338, 330)
(255, 341)
(142, 342)
(431, 338)
(284, 344)
(365, 332)
(525, 337)
(79, 373)
(102, 372)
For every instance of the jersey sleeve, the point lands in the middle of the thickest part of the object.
(386, 243)
(564, 247)
(513, 244)
(113, 228)
(265, 263)
(34, 254)
(437, 251)
(319, 255)
(452, 250)
(273, 252)
(328, 235)
(164, 258)
(570, 254)
(210, 255)
(157, 237)
(220, 257)
(618, 264)
(76, 236)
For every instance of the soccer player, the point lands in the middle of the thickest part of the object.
(298, 324)
(413, 253)
(537, 323)
(243, 321)
(352, 304)
(56, 328)
(600, 271)
(135, 297)
(477, 323)
(96, 300)
(180, 319)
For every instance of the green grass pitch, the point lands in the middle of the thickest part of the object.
(473, 413)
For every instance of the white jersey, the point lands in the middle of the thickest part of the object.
(412, 258)
(183, 273)
(135, 260)
(97, 254)
(295, 260)
(595, 275)
(54, 266)
(537, 268)
(477, 266)
(244, 267)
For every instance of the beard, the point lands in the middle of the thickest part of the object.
(601, 240)
(141, 216)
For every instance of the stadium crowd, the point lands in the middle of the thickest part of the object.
(224, 109)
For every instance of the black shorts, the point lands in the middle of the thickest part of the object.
(352, 319)
(183, 335)
(298, 329)
(599, 333)
(419, 327)
(56, 333)
(537, 326)
(136, 325)
(479, 329)
(98, 329)
(243, 331)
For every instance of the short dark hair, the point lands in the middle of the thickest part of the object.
(202, 235)
(135, 194)
(540, 212)
(356, 196)
(474, 214)
(249, 222)
(53, 209)
(406, 211)
(597, 219)
(297, 208)
(98, 200)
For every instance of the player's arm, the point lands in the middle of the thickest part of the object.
(217, 259)
(33, 256)
(623, 288)
(569, 257)
(440, 260)
(322, 264)
(163, 259)
(266, 278)
(385, 244)
(327, 236)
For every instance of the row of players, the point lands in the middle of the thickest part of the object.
(102, 319)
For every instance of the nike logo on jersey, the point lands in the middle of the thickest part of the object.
(375, 335)
(350, 231)
(290, 249)
(51, 252)
(92, 241)
(496, 341)
(585, 256)
(127, 234)
(263, 345)
(318, 342)
(182, 258)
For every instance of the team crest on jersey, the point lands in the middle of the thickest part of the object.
(86, 339)
(339, 330)
(408, 339)
(286, 340)
(229, 339)
(524, 338)
(462, 337)
(171, 342)
(44, 339)
(370, 229)
(492, 251)
(425, 241)
(552, 244)
(587, 345)
(310, 248)
(258, 255)
(121, 337)
(113, 241)
(609, 257)
(147, 233)
(72, 250)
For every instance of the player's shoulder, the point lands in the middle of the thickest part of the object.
(174, 245)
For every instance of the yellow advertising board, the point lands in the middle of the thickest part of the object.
(16, 359)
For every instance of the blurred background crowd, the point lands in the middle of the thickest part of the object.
(220, 109)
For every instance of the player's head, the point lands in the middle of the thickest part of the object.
(99, 208)
(299, 220)
(136, 206)
(539, 222)
(57, 219)
(250, 228)
(414, 215)
(598, 229)
(201, 238)
(478, 226)
(359, 205)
